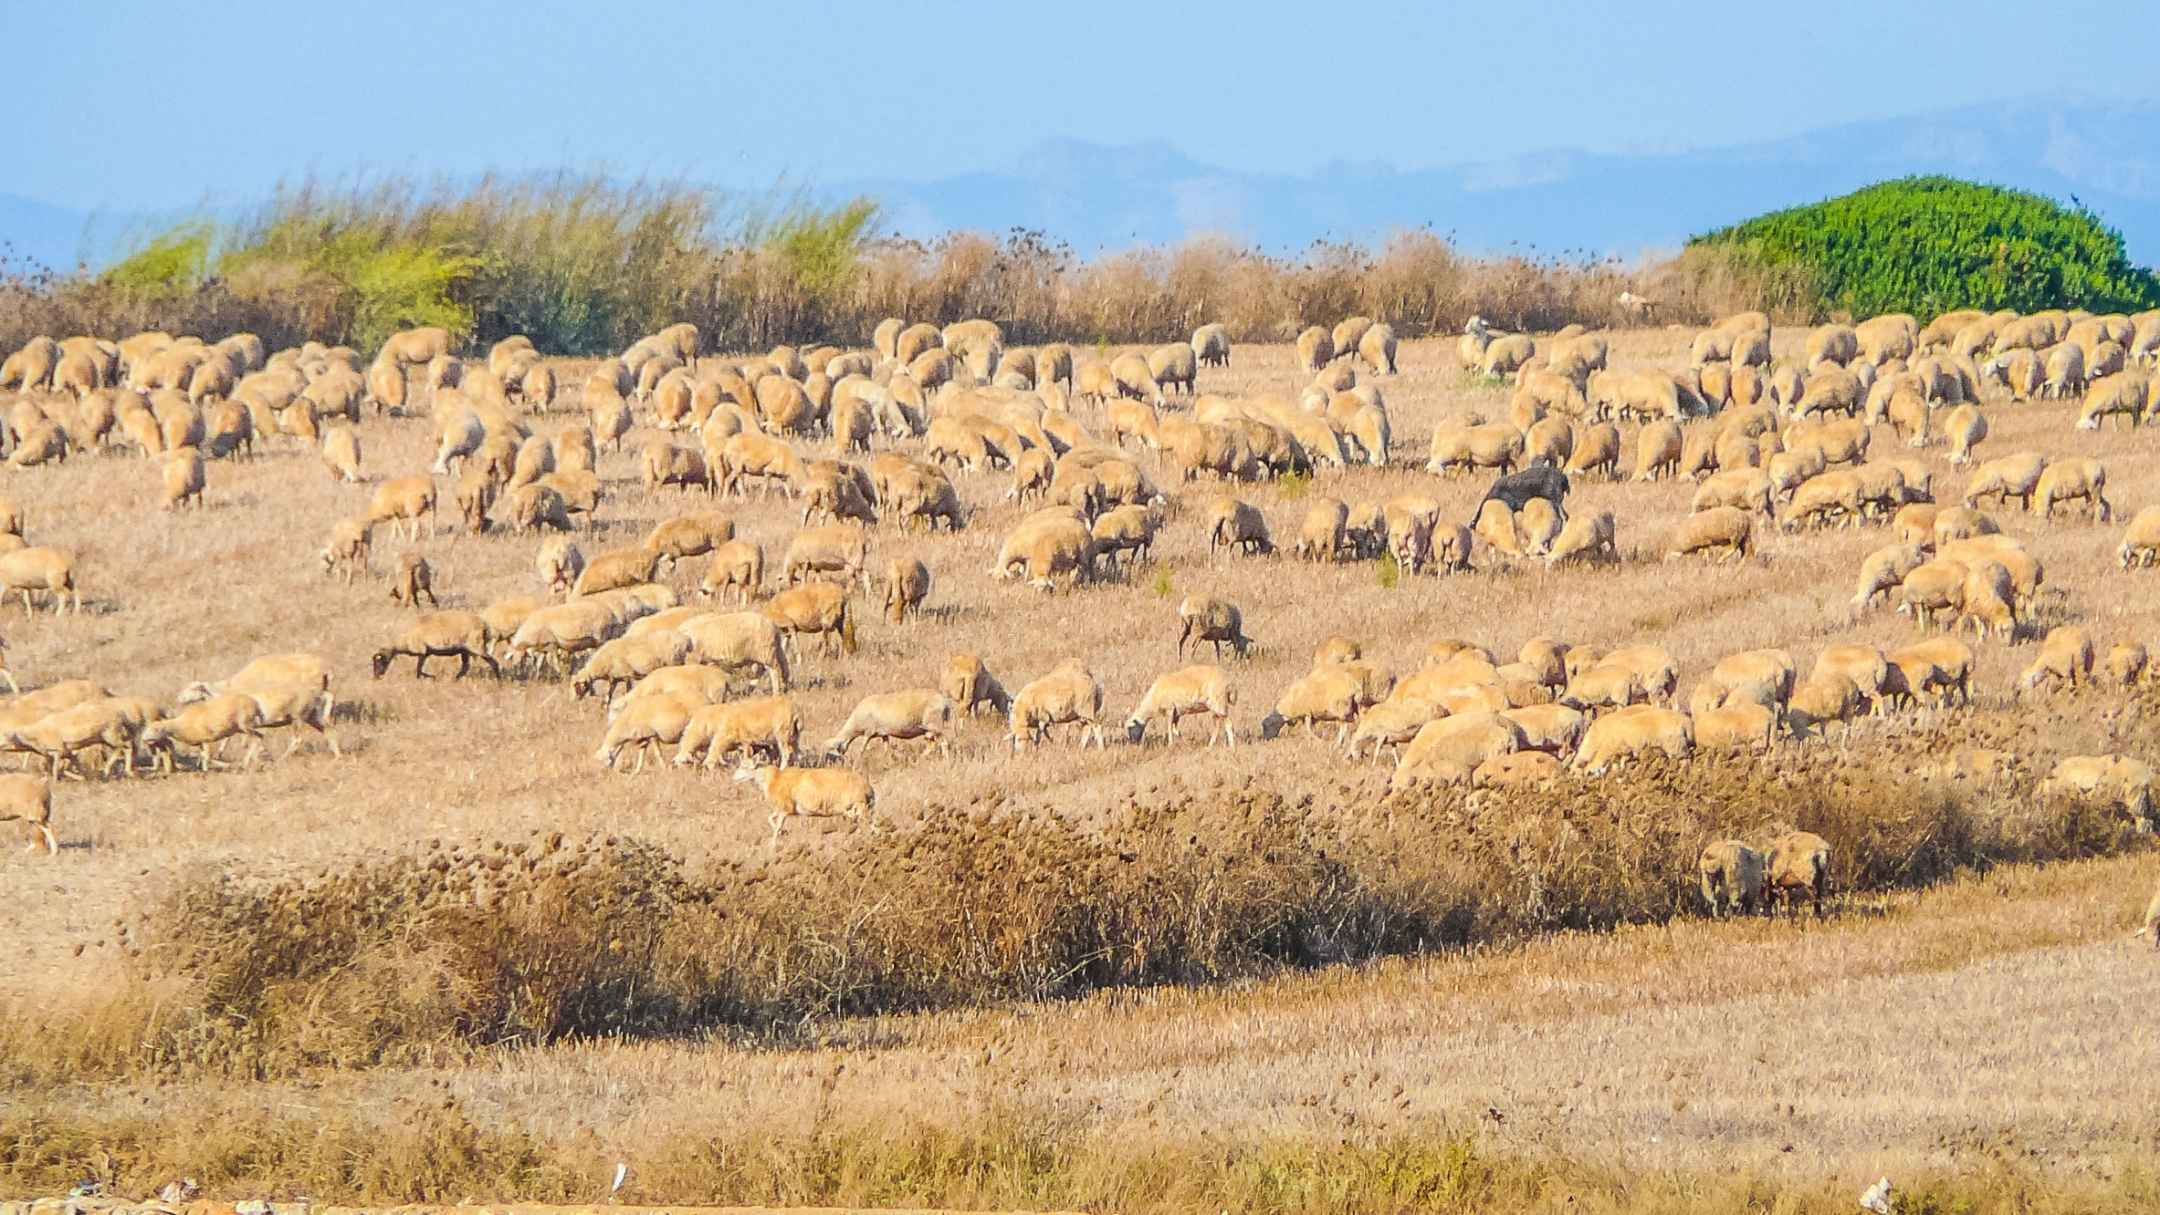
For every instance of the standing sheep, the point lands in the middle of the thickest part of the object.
(1182, 693)
(1731, 877)
(1798, 863)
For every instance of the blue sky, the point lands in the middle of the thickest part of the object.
(131, 106)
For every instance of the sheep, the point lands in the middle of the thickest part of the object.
(2070, 479)
(1584, 538)
(1631, 732)
(737, 567)
(1657, 451)
(1935, 588)
(2141, 541)
(1232, 523)
(811, 793)
(40, 569)
(1181, 693)
(1941, 665)
(462, 635)
(2151, 927)
(2066, 654)
(403, 502)
(1050, 542)
(1446, 750)
(1883, 571)
(559, 564)
(415, 580)
(615, 569)
(1320, 535)
(1206, 618)
(2006, 477)
(1459, 448)
(1798, 862)
(1068, 694)
(819, 608)
(1730, 875)
(893, 716)
(1315, 349)
(1125, 529)
(837, 551)
(625, 660)
(2065, 372)
(644, 726)
(1553, 728)
(970, 686)
(1376, 347)
(534, 506)
(1329, 693)
(1133, 378)
(2121, 394)
(907, 584)
(558, 631)
(2126, 663)
(718, 730)
(207, 725)
(1504, 356)
(741, 640)
(1725, 529)
(26, 798)
(1736, 727)
(1211, 346)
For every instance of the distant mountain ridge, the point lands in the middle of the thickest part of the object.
(2105, 155)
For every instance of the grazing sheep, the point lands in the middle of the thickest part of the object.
(1798, 863)
(1315, 349)
(1206, 618)
(415, 581)
(1727, 530)
(738, 640)
(818, 609)
(26, 798)
(907, 584)
(811, 793)
(2066, 654)
(738, 567)
(1883, 571)
(404, 501)
(1506, 355)
(970, 685)
(644, 726)
(2072, 479)
(461, 635)
(717, 731)
(1182, 693)
(1584, 538)
(206, 725)
(1126, 529)
(40, 570)
(897, 716)
(1068, 694)
(1658, 450)
(1232, 523)
(2006, 477)
(1731, 877)
(1447, 750)
(1329, 693)
(2126, 663)
(838, 552)
(1211, 346)
(1941, 665)
(1631, 732)
(2141, 542)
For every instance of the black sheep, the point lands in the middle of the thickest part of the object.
(1515, 488)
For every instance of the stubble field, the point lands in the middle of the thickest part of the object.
(1992, 1021)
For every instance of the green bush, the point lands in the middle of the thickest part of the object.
(1925, 245)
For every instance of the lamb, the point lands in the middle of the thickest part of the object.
(462, 635)
(749, 727)
(738, 640)
(737, 567)
(26, 798)
(40, 570)
(1725, 529)
(1632, 732)
(644, 726)
(415, 581)
(403, 502)
(1182, 693)
(811, 793)
(1731, 877)
(207, 725)
(1068, 694)
(2066, 655)
(2072, 479)
(970, 686)
(1798, 863)
(1232, 523)
(892, 716)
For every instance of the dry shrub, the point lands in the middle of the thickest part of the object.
(404, 958)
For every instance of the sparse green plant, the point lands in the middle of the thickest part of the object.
(1162, 584)
(1386, 572)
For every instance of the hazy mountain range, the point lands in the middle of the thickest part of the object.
(2103, 154)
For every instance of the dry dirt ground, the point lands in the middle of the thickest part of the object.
(1815, 1040)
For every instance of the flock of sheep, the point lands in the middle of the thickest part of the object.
(1104, 451)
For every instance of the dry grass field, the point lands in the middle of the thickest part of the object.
(1990, 1025)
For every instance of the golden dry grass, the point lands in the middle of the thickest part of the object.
(1655, 1049)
